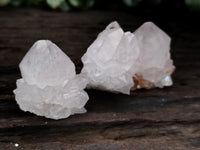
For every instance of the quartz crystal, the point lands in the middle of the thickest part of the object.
(49, 86)
(119, 61)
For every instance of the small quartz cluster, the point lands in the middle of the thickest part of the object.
(118, 61)
(49, 86)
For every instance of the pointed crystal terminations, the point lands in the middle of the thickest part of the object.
(109, 58)
(121, 61)
(49, 86)
(154, 65)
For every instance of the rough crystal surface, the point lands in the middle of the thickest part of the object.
(49, 86)
(107, 62)
(154, 64)
(45, 64)
(119, 61)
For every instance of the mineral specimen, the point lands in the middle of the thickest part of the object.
(49, 86)
(154, 65)
(118, 61)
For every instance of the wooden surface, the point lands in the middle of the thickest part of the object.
(157, 119)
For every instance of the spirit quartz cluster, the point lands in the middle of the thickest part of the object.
(119, 61)
(49, 86)
(116, 61)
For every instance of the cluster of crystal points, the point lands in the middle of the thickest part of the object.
(49, 86)
(118, 61)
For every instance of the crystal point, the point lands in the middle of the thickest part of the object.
(46, 64)
(154, 64)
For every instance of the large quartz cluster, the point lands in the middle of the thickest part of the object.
(49, 86)
(118, 61)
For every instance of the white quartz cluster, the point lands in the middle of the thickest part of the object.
(119, 61)
(49, 86)
(116, 61)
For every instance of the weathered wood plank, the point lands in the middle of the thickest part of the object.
(155, 119)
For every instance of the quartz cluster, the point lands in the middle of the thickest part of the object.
(116, 61)
(49, 86)
(121, 61)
